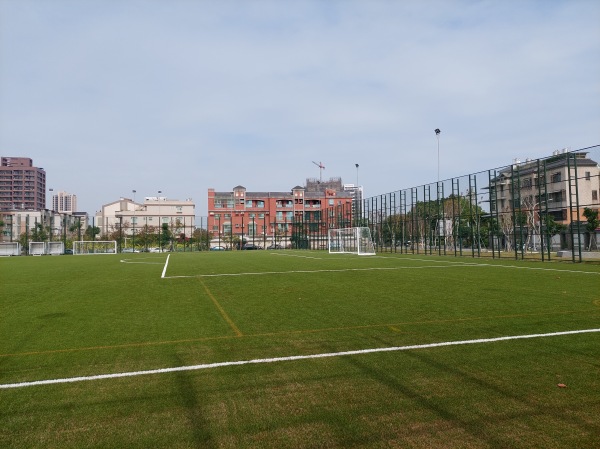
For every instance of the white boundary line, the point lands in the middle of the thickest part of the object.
(165, 268)
(287, 359)
(332, 270)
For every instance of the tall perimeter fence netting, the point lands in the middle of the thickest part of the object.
(536, 208)
(532, 209)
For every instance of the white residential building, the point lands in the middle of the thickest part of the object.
(130, 217)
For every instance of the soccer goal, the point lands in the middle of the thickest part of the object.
(37, 248)
(56, 248)
(351, 240)
(95, 247)
(10, 249)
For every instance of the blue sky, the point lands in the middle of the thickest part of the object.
(179, 96)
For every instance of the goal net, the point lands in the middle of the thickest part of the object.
(37, 248)
(95, 247)
(351, 240)
(56, 248)
(10, 249)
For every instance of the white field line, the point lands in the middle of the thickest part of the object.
(288, 359)
(296, 255)
(473, 264)
(343, 270)
(340, 270)
(166, 265)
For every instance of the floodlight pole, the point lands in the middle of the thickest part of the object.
(133, 244)
(159, 223)
(51, 212)
(437, 134)
(357, 198)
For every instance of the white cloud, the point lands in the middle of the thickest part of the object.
(230, 92)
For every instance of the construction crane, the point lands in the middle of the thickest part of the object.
(321, 168)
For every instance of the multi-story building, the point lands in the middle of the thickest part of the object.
(64, 202)
(56, 226)
(22, 186)
(560, 187)
(267, 218)
(131, 218)
(563, 185)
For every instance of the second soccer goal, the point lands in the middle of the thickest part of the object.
(351, 240)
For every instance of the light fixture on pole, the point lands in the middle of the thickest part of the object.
(437, 134)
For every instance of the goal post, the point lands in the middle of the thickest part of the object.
(355, 240)
(95, 247)
(37, 248)
(10, 249)
(55, 248)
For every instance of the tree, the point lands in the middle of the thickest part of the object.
(39, 233)
(91, 232)
(393, 230)
(165, 235)
(551, 227)
(202, 238)
(593, 223)
(145, 235)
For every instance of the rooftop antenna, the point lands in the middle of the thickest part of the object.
(321, 168)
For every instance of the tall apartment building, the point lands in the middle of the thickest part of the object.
(64, 202)
(270, 217)
(22, 186)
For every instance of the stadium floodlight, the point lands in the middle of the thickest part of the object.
(356, 240)
(95, 247)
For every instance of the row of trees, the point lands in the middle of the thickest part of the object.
(458, 222)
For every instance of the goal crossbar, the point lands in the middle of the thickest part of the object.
(95, 247)
(355, 240)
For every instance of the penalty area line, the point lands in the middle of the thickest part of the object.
(288, 358)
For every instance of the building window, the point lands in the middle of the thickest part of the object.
(594, 195)
(260, 204)
(248, 203)
(588, 176)
(555, 177)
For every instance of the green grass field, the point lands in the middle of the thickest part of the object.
(75, 317)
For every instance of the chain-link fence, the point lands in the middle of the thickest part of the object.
(538, 209)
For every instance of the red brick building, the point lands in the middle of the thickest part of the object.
(264, 218)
